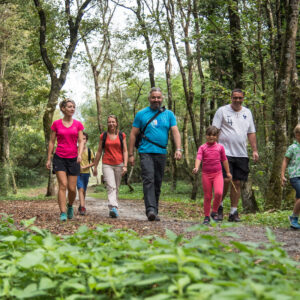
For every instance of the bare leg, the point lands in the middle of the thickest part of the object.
(81, 194)
(296, 210)
(235, 195)
(62, 188)
(72, 181)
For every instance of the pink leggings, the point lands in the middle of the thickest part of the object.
(209, 181)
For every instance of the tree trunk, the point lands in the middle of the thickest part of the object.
(248, 197)
(97, 96)
(236, 38)
(274, 195)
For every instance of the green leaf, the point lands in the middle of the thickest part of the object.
(28, 222)
(46, 283)
(159, 297)
(152, 280)
(10, 238)
(31, 259)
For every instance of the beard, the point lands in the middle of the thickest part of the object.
(155, 105)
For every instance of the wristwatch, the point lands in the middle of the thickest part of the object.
(181, 150)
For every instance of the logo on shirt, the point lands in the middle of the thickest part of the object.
(229, 120)
(244, 116)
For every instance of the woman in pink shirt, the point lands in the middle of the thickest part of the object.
(67, 157)
(212, 154)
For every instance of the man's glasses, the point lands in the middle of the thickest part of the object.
(237, 98)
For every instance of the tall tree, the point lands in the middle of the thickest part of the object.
(274, 195)
(47, 47)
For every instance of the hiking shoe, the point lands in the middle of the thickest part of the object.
(206, 221)
(220, 213)
(151, 216)
(113, 213)
(82, 210)
(70, 211)
(157, 218)
(234, 217)
(294, 222)
(63, 217)
(214, 217)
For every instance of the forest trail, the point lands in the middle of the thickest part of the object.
(132, 216)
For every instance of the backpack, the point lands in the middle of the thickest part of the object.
(89, 155)
(105, 136)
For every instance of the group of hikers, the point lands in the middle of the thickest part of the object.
(224, 157)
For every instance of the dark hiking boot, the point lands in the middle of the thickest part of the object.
(157, 218)
(113, 213)
(214, 217)
(82, 210)
(70, 211)
(234, 217)
(206, 221)
(220, 213)
(151, 216)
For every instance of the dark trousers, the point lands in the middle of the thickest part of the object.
(153, 166)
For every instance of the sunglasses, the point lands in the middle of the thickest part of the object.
(237, 98)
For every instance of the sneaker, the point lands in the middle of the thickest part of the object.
(113, 213)
(220, 213)
(151, 216)
(82, 210)
(234, 217)
(214, 217)
(294, 222)
(206, 221)
(63, 217)
(70, 211)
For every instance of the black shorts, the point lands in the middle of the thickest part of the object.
(239, 168)
(68, 165)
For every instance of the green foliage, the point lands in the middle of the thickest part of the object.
(106, 264)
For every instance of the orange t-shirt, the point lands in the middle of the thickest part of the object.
(113, 154)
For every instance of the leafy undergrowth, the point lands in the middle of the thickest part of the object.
(115, 264)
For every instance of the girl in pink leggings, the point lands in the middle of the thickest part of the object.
(212, 154)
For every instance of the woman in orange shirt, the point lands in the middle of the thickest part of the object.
(114, 161)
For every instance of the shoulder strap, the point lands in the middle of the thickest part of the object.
(89, 155)
(121, 140)
(104, 139)
(162, 109)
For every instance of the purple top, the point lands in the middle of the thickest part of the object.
(211, 156)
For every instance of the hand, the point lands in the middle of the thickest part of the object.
(124, 170)
(178, 155)
(255, 156)
(195, 170)
(283, 180)
(131, 160)
(229, 176)
(79, 159)
(95, 172)
(48, 164)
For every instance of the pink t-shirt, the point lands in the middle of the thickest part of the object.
(211, 156)
(67, 138)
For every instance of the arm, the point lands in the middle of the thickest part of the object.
(125, 156)
(132, 138)
(197, 166)
(50, 148)
(177, 140)
(285, 163)
(226, 167)
(80, 145)
(252, 141)
(97, 157)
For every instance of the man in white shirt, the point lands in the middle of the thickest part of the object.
(236, 129)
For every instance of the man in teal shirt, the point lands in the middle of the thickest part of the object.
(152, 149)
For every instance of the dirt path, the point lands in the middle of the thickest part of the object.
(132, 216)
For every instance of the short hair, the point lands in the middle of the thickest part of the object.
(155, 89)
(86, 135)
(212, 130)
(64, 102)
(237, 91)
(297, 129)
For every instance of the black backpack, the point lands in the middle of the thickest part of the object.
(105, 136)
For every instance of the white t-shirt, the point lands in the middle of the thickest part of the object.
(235, 126)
